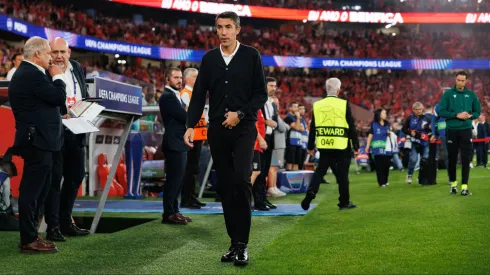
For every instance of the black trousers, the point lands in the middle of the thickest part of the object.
(191, 171)
(339, 161)
(67, 164)
(459, 140)
(259, 188)
(481, 153)
(302, 159)
(175, 164)
(383, 164)
(34, 187)
(232, 152)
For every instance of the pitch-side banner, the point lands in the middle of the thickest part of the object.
(89, 43)
(316, 15)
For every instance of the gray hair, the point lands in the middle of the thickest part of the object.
(333, 86)
(418, 105)
(34, 44)
(188, 71)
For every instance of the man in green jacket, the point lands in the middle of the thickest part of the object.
(459, 106)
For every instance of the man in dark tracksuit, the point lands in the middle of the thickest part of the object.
(459, 106)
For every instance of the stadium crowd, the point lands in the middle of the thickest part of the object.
(371, 5)
(287, 39)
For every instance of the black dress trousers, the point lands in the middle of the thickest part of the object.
(232, 152)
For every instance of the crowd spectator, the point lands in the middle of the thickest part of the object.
(288, 39)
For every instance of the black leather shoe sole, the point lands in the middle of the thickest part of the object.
(227, 259)
(240, 263)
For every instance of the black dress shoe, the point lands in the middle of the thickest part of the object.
(270, 205)
(55, 235)
(348, 206)
(230, 255)
(74, 231)
(261, 207)
(241, 254)
(305, 204)
(196, 201)
(190, 205)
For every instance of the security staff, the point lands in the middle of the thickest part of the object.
(233, 74)
(459, 106)
(332, 127)
(188, 196)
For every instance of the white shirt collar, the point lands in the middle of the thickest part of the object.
(234, 52)
(188, 87)
(177, 93)
(37, 66)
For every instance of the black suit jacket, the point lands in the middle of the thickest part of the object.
(36, 100)
(81, 139)
(174, 117)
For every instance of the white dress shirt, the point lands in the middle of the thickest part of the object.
(228, 58)
(72, 84)
(177, 93)
(269, 113)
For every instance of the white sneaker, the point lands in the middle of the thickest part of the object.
(387, 183)
(279, 193)
(409, 179)
(471, 165)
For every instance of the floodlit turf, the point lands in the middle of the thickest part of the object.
(396, 230)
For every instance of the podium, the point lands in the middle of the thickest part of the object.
(123, 106)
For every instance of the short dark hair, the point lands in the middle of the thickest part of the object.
(270, 79)
(15, 56)
(229, 15)
(292, 103)
(168, 72)
(462, 73)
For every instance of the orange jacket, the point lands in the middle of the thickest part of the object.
(200, 130)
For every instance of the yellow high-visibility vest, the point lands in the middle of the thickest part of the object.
(332, 129)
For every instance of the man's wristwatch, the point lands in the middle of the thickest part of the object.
(240, 114)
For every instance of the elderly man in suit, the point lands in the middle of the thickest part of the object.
(69, 162)
(36, 99)
(174, 117)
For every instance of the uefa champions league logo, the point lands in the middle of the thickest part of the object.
(10, 24)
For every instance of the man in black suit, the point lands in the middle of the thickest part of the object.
(69, 161)
(233, 75)
(173, 147)
(36, 100)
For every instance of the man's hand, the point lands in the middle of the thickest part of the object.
(189, 137)
(54, 70)
(271, 123)
(67, 116)
(263, 144)
(231, 120)
(297, 114)
(367, 148)
(413, 133)
(463, 116)
(432, 139)
(311, 152)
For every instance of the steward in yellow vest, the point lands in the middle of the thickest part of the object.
(333, 132)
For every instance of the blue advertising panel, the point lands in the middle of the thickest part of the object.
(89, 43)
(119, 97)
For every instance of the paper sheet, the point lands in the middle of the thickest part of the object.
(79, 125)
(92, 112)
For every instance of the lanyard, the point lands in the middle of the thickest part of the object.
(74, 84)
